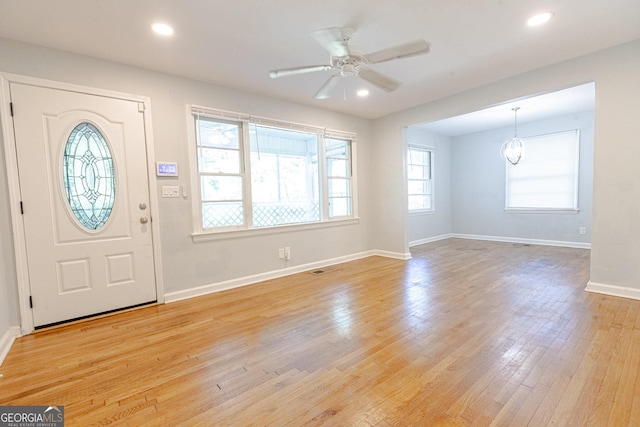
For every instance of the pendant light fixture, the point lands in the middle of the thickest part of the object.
(513, 149)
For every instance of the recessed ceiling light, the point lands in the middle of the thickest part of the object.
(162, 29)
(539, 19)
(362, 92)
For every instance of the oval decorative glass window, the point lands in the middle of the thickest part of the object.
(89, 176)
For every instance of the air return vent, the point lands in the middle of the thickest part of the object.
(320, 271)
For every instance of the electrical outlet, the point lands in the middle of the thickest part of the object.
(287, 253)
(583, 230)
(281, 253)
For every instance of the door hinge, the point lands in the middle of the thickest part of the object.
(30, 301)
(11, 108)
(21, 208)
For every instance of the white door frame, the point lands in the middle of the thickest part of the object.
(11, 163)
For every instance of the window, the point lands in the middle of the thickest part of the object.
(420, 178)
(220, 168)
(89, 176)
(284, 176)
(338, 155)
(547, 178)
(257, 173)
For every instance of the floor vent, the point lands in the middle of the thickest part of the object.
(320, 271)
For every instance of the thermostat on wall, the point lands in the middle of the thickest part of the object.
(166, 169)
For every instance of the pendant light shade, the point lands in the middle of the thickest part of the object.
(513, 149)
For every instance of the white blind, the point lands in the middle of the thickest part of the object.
(547, 178)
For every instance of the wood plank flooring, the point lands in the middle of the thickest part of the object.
(465, 333)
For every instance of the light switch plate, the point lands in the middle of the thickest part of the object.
(170, 191)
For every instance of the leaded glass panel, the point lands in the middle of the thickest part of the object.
(89, 176)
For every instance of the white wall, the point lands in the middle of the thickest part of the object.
(187, 264)
(478, 188)
(616, 195)
(426, 225)
(615, 254)
(389, 204)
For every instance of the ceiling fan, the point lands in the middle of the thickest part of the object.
(349, 62)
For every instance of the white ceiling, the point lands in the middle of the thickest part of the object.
(235, 43)
(573, 100)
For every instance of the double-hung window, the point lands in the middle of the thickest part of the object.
(339, 177)
(221, 172)
(255, 173)
(547, 178)
(420, 178)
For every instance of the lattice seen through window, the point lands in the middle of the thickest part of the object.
(254, 176)
(284, 176)
(220, 168)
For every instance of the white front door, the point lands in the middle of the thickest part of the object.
(82, 168)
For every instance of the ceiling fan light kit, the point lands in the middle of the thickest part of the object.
(350, 63)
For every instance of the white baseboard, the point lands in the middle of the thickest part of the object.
(249, 280)
(430, 239)
(613, 290)
(395, 255)
(577, 245)
(6, 341)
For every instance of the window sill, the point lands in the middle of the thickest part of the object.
(422, 212)
(541, 211)
(233, 234)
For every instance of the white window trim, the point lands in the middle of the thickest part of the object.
(198, 234)
(352, 178)
(202, 236)
(541, 211)
(569, 211)
(421, 212)
(432, 152)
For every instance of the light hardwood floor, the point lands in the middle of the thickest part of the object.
(465, 333)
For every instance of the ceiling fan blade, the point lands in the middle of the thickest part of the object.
(334, 40)
(297, 70)
(379, 80)
(417, 47)
(327, 88)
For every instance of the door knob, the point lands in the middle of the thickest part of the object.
(144, 220)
